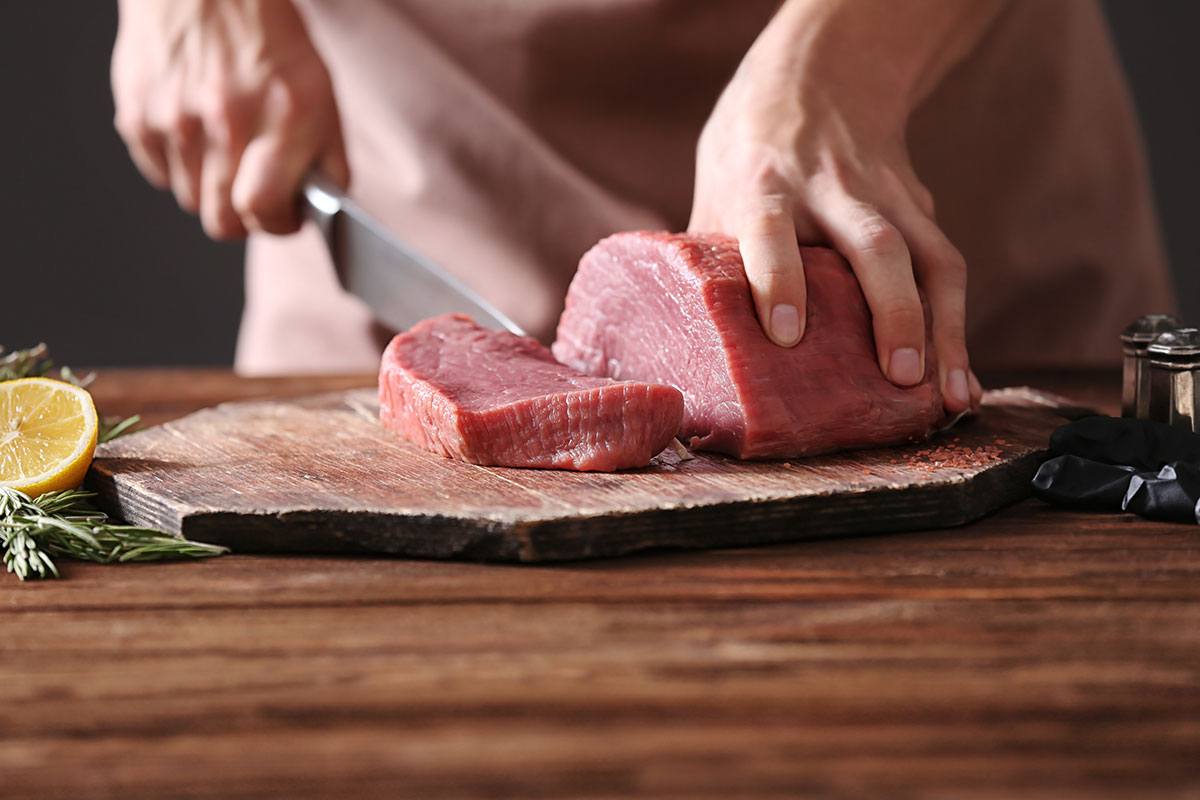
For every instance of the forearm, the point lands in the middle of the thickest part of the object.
(888, 55)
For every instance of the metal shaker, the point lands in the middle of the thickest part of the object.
(1173, 359)
(1135, 390)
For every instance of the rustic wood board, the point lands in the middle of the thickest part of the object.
(319, 475)
(1040, 653)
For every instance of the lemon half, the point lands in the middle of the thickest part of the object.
(48, 435)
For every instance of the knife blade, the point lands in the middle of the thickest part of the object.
(398, 284)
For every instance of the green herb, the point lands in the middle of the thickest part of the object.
(33, 532)
(35, 362)
(112, 427)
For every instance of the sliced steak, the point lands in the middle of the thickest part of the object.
(676, 309)
(493, 398)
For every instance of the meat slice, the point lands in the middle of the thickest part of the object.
(493, 398)
(676, 309)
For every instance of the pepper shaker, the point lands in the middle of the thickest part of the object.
(1135, 389)
(1174, 365)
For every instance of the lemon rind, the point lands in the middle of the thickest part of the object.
(33, 483)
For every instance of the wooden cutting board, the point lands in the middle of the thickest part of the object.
(319, 475)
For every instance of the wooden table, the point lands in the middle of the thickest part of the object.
(1037, 653)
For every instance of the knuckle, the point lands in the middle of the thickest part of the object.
(279, 222)
(213, 225)
(770, 217)
(221, 227)
(300, 91)
(186, 200)
(950, 331)
(773, 273)
(955, 269)
(954, 262)
(255, 204)
(133, 127)
(223, 115)
(952, 354)
(765, 174)
(127, 124)
(876, 235)
(901, 316)
(949, 269)
(822, 186)
(183, 126)
(266, 210)
(950, 336)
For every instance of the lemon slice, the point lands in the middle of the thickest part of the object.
(47, 435)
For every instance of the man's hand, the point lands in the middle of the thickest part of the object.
(228, 104)
(807, 144)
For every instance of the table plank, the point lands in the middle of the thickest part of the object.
(1037, 653)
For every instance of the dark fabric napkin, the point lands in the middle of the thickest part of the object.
(1114, 464)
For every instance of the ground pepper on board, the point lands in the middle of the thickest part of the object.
(950, 454)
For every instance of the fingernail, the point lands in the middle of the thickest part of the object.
(956, 388)
(785, 324)
(974, 383)
(904, 368)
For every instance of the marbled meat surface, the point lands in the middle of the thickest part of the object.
(676, 309)
(489, 397)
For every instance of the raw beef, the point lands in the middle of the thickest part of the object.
(676, 309)
(490, 397)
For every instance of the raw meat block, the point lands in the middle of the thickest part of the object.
(490, 397)
(676, 309)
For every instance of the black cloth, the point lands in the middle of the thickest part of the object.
(1137, 443)
(1082, 483)
(1111, 463)
(1173, 494)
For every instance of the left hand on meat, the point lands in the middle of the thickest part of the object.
(806, 144)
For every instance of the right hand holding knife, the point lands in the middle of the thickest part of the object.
(229, 105)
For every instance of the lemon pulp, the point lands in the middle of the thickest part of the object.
(48, 435)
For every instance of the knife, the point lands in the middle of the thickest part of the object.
(400, 286)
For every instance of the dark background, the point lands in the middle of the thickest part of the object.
(109, 272)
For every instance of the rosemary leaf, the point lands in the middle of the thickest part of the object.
(112, 427)
(66, 524)
(35, 362)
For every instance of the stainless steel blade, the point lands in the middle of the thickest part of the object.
(400, 286)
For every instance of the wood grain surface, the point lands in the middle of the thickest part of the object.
(320, 475)
(1034, 654)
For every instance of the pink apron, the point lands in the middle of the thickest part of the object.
(505, 137)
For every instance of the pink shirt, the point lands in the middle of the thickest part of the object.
(505, 137)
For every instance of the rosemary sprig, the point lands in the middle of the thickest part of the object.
(112, 427)
(33, 532)
(35, 362)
